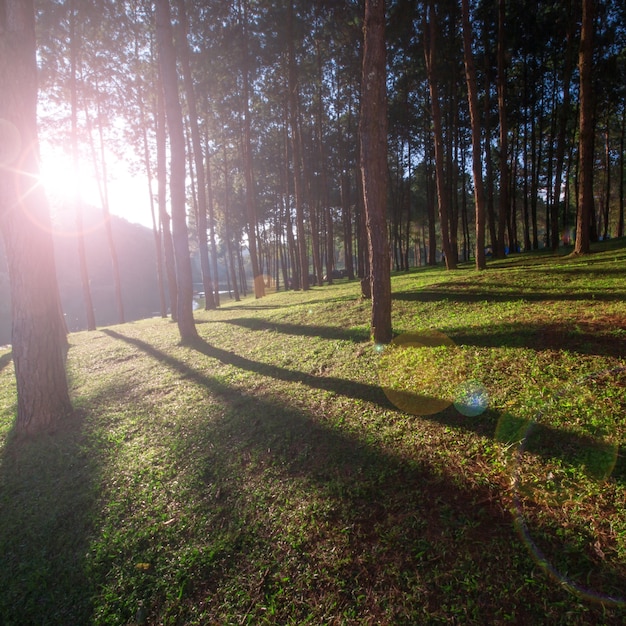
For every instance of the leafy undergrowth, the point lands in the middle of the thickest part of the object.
(285, 470)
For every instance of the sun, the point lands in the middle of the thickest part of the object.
(63, 182)
(128, 194)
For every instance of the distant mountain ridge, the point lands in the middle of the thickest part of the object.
(135, 249)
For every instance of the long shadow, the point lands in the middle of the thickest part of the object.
(299, 330)
(341, 386)
(48, 492)
(299, 303)
(466, 293)
(399, 519)
(581, 339)
(542, 440)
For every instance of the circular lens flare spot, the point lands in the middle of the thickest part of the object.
(411, 369)
(471, 398)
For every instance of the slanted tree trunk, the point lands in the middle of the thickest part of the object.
(585, 62)
(477, 168)
(38, 330)
(373, 140)
(167, 62)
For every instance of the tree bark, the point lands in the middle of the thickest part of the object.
(156, 231)
(325, 199)
(430, 32)
(167, 61)
(78, 201)
(297, 154)
(164, 217)
(38, 329)
(477, 168)
(103, 189)
(585, 62)
(373, 140)
(259, 285)
(503, 210)
(196, 143)
(620, 219)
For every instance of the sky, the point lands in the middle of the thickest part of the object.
(128, 193)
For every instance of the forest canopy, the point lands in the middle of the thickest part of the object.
(270, 99)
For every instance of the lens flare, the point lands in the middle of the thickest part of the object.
(471, 398)
(410, 374)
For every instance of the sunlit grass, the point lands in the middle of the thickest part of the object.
(263, 476)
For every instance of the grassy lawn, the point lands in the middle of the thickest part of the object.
(285, 470)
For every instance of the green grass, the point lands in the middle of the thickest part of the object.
(285, 470)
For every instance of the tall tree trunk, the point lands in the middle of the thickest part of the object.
(431, 257)
(259, 285)
(373, 140)
(430, 33)
(622, 137)
(291, 242)
(227, 226)
(156, 231)
(167, 61)
(477, 168)
(325, 199)
(525, 158)
(198, 159)
(39, 342)
(561, 133)
(489, 178)
(504, 143)
(296, 152)
(103, 189)
(164, 217)
(585, 63)
(78, 201)
(607, 165)
(346, 198)
(535, 151)
(211, 224)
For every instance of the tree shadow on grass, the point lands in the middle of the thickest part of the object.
(266, 306)
(324, 332)
(542, 440)
(407, 541)
(48, 491)
(341, 386)
(464, 292)
(596, 338)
